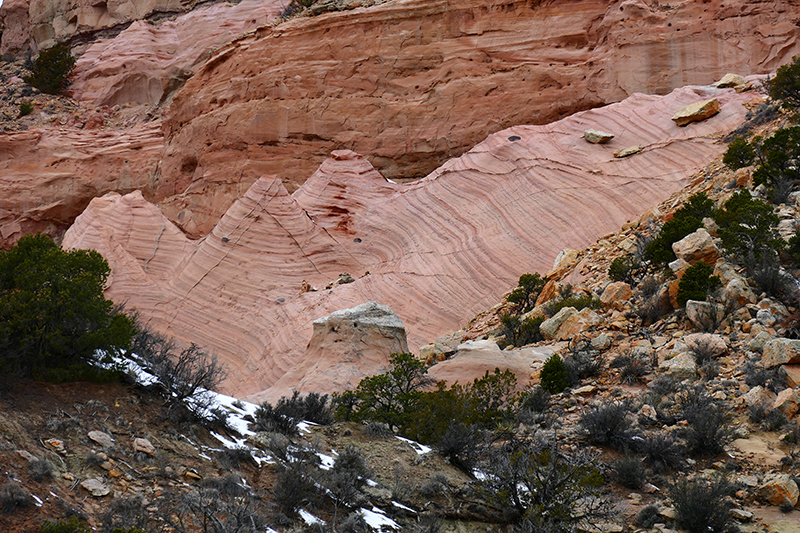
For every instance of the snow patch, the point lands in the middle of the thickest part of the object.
(377, 520)
(309, 518)
(421, 449)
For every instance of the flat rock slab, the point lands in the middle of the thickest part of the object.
(696, 112)
(103, 439)
(597, 137)
(96, 487)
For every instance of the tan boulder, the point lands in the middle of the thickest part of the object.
(759, 395)
(143, 445)
(787, 401)
(781, 351)
(549, 291)
(616, 295)
(707, 343)
(15, 30)
(682, 366)
(739, 292)
(625, 152)
(569, 322)
(792, 373)
(549, 328)
(696, 112)
(730, 80)
(696, 247)
(597, 137)
(703, 315)
(564, 262)
(778, 489)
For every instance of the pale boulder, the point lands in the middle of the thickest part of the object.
(549, 328)
(759, 395)
(696, 112)
(702, 315)
(711, 345)
(96, 487)
(569, 322)
(103, 439)
(616, 295)
(597, 137)
(625, 152)
(792, 373)
(738, 291)
(682, 366)
(144, 446)
(696, 247)
(781, 351)
(730, 80)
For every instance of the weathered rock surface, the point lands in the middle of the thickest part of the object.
(696, 247)
(682, 366)
(616, 295)
(14, 27)
(438, 250)
(346, 346)
(696, 112)
(781, 351)
(597, 137)
(430, 79)
(778, 489)
(96, 487)
(145, 63)
(49, 176)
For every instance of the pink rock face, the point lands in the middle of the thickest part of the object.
(14, 27)
(411, 83)
(146, 63)
(438, 250)
(48, 177)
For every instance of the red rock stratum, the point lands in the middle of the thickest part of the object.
(438, 250)
(411, 83)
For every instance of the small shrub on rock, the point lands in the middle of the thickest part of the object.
(51, 70)
(621, 269)
(661, 452)
(25, 109)
(632, 369)
(709, 428)
(607, 425)
(554, 376)
(686, 220)
(785, 85)
(629, 472)
(739, 154)
(521, 331)
(14, 496)
(527, 291)
(40, 470)
(746, 227)
(702, 505)
(71, 525)
(649, 516)
(697, 283)
(773, 379)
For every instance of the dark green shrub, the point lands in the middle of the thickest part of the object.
(686, 220)
(554, 376)
(702, 505)
(628, 471)
(777, 159)
(269, 419)
(71, 525)
(607, 425)
(53, 314)
(747, 227)
(25, 109)
(569, 300)
(582, 365)
(785, 86)
(13, 496)
(660, 451)
(527, 291)
(739, 154)
(521, 331)
(460, 445)
(697, 283)
(51, 70)
(621, 269)
(534, 483)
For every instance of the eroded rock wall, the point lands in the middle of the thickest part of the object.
(411, 83)
(437, 251)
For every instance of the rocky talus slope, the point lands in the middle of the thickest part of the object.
(436, 251)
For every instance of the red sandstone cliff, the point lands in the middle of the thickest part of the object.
(437, 250)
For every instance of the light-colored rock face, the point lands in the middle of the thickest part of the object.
(696, 112)
(49, 177)
(438, 250)
(14, 27)
(410, 83)
(146, 62)
(346, 346)
(781, 351)
(58, 20)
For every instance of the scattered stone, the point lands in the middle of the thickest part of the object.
(549, 327)
(649, 488)
(56, 444)
(682, 366)
(103, 439)
(586, 390)
(668, 513)
(730, 80)
(628, 152)
(696, 112)
(742, 515)
(696, 247)
(757, 343)
(778, 489)
(787, 401)
(792, 373)
(343, 279)
(597, 137)
(96, 487)
(759, 395)
(68, 476)
(601, 342)
(27, 456)
(192, 475)
(144, 446)
(747, 481)
(616, 295)
(765, 317)
(781, 351)
(648, 411)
